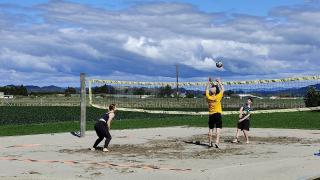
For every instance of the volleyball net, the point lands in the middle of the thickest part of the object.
(270, 95)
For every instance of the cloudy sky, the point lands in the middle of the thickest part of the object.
(50, 42)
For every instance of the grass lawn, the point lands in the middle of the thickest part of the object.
(292, 120)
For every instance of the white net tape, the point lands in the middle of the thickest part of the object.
(206, 113)
(204, 83)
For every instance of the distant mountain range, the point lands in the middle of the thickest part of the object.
(51, 88)
(290, 91)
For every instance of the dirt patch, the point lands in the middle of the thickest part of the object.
(175, 148)
(194, 147)
(258, 140)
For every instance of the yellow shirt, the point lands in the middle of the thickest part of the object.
(214, 102)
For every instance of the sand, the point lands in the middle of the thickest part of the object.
(163, 153)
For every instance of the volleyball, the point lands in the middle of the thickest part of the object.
(219, 64)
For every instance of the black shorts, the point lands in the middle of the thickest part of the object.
(215, 120)
(244, 125)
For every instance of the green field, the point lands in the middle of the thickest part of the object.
(37, 120)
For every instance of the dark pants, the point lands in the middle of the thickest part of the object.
(102, 131)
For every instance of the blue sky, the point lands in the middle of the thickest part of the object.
(51, 42)
(253, 7)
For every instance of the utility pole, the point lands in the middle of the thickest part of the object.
(177, 77)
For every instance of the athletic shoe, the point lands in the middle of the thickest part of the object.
(247, 142)
(105, 150)
(78, 134)
(92, 149)
(235, 141)
(216, 145)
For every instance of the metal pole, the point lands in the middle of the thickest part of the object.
(177, 77)
(83, 104)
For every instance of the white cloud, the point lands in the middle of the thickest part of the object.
(142, 46)
(147, 40)
(14, 60)
(207, 64)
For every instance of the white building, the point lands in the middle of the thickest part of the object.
(8, 96)
(276, 97)
(248, 95)
(2, 96)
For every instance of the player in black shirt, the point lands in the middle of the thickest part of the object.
(102, 128)
(244, 121)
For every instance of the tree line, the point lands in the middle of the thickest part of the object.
(165, 91)
(311, 99)
(14, 90)
(23, 91)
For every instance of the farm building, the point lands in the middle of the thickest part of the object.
(241, 96)
(3, 96)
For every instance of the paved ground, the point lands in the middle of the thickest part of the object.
(163, 153)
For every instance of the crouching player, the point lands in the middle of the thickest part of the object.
(102, 128)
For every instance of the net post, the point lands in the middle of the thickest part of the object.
(83, 104)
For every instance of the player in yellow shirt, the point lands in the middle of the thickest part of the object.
(214, 94)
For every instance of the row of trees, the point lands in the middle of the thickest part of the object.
(166, 91)
(104, 89)
(107, 89)
(23, 91)
(14, 90)
(69, 91)
(312, 98)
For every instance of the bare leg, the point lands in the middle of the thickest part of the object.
(210, 136)
(246, 135)
(218, 135)
(238, 133)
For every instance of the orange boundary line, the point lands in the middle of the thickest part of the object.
(23, 145)
(106, 164)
